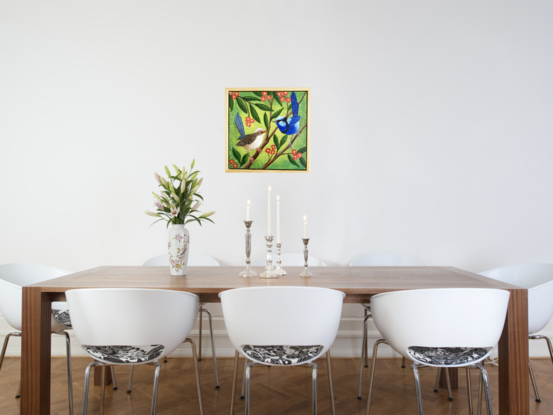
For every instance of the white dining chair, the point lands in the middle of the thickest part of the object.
(290, 260)
(195, 259)
(382, 260)
(135, 327)
(411, 326)
(538, 279)
(281, 326)
(13, 277)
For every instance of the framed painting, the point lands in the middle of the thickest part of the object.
(267, 130)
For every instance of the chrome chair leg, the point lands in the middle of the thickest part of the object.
(484, 374)
(418, 386)
(363, 356)
(113, 378)
(213, 348)
(314, 380)
(330, 382)
(371, 378)
(243, 394)
(4, 348)
(200, 335)
(533, 381)
(103, 390)
(129, 390)
(234, 378)
(449, 396)
(403, 363)
(195, 358)
(69, 376)
(469, 391)
(247, 377)
(156, 384)
(18, 394)
(366, 339)
(86, 386)
(436, 387)
(479, 409)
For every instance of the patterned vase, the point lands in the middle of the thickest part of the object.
(178, 245)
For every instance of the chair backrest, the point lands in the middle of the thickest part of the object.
(538, 279)
(132, 317)
(194, 260)
(13, 277)
(448, 317)
(385, 260)
(289, 260)
(283, 316)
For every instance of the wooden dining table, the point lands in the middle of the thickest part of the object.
(358, 283)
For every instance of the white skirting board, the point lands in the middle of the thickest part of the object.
(347, 344)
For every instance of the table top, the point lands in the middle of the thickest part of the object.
(358, 283)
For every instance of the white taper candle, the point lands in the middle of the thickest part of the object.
(278, 219)
(305, 227)
(269, 213)
(248, 211)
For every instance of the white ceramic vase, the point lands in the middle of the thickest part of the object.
(178, 245)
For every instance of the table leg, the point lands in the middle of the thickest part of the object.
(35, 352)
(98, 376)
(514, 389)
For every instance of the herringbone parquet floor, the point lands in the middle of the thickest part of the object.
(275, 391)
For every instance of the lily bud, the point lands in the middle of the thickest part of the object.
(163, 182)
(193, 162)
(155, 215)
(167, 171)
(194, 190)
(207, 215)
(176, 197)
(158, 178)
(177, 170)
(197, 205)
(183, 175)
(156, 196)
(182, 186)
(200, 182)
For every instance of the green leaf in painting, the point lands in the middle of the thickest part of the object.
(236, 154)
(302, 150)
(263, 107)
(250, 99)
(254, 114)
(230, 103)
(242, 104)
(291, 159)
(259, 94)
(245, 159)
(276, 114)
(266, 120)
(283, 140)
(277, 142)
(303, 162)
(276, 98)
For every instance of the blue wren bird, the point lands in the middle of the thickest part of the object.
(290, 126)
(251, 141)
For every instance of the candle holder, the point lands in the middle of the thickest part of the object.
(278, 268)
(269, 269)
(305, 273)
(248, 272)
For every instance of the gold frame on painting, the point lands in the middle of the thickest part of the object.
(308, 141)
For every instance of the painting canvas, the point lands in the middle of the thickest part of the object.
(267, 130)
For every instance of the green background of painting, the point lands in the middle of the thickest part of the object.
(282, 163)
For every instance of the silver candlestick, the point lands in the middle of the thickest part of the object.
(278, 268)
(248, 272)
(269, 269)
(305, 273)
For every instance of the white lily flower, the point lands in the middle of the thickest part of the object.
(174, 212)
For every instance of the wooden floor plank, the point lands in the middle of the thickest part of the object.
(275, 390)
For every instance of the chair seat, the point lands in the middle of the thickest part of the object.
(62, 317)
(446, 356)
(125, 354)
(282, 355)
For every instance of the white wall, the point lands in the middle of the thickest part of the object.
(430, 127)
